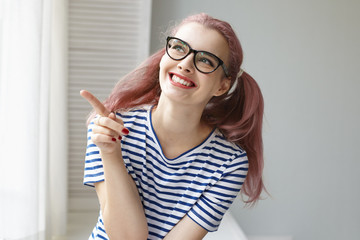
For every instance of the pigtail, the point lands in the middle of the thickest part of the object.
(247, 132)
(238, 115)
(139, 87)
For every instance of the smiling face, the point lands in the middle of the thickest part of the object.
(181, 82)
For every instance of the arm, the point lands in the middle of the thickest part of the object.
(119, 199)
(120, 202)
(208, 211)
(186, 229)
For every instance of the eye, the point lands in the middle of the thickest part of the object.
(206, 59)
(178, 46)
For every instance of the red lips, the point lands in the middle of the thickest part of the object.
(181, 81)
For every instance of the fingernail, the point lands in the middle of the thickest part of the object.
(114, 139)
(125, 131)
(119, 137)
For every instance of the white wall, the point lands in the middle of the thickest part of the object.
(305, 56)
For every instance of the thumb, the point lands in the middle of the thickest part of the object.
(112, 116)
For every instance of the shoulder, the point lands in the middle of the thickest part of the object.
(221, 143)
(234, 156)
(137, 120)
(140, 112)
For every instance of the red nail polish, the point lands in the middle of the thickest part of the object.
(119, 137)
(125, 131)
(114, 139)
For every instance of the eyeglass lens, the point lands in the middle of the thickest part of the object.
(205, 62)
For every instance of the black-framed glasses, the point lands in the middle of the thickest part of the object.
(204, 62)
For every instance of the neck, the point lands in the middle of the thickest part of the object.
(176, 118)
(178, 127)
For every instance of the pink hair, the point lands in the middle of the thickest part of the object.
(238, 114)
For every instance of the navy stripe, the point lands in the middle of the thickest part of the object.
(159, 236)
(227, 153)
(93, 160)
(92, 153)
(202, 219)
(233, 182)
(236, 164)
(156, 203)
(132, 123)
(93, 168)
(170, 200)
(133, 130)
(91, 145)
(222, 144)
(162, 213)
(206, 201)
(140, 147)
(182, 195)
(101, 229)
(93, 175)
(134, 153)
(159, 220)
(221, 194)
(155, 181)
(122, 114)
(133, 138)
(159, 177)
(207, 213)
(236, 175)
(134, 116)
(165, 171)
(99, 236)
(157, 227)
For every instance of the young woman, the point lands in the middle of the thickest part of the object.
(177, 138)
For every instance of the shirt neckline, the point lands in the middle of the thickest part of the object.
(186, 153)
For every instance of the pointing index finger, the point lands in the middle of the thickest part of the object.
(95, 103)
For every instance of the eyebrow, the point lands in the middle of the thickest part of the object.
(198, 49)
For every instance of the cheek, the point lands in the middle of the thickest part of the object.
(163, 70)
(214, 88)
(164, 63)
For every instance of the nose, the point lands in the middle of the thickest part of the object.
(187, 64)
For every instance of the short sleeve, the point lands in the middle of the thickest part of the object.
(210, 208)
(94, 171)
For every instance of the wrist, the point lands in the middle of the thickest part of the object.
(114, 153)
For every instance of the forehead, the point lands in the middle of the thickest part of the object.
(205, 39)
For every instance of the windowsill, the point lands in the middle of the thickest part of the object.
(80, 224)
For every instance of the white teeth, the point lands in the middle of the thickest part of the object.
(181, 81)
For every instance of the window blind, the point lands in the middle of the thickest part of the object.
(107, 39)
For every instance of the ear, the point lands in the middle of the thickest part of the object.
(224, 87)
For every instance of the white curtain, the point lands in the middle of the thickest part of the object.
(26, 207)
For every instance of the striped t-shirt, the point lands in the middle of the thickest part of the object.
(202, 182)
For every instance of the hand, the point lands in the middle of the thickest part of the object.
(108, 129)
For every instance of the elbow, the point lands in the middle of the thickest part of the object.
(140, 233)
(120, 227)
(130, 236)
(143, 237)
